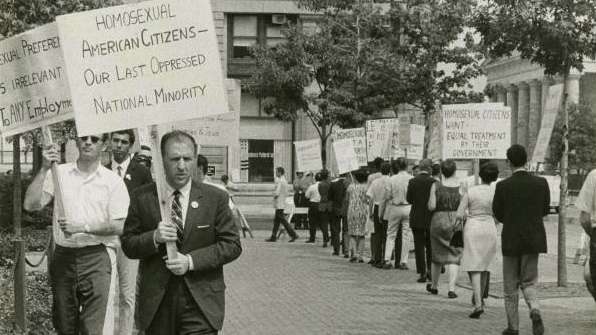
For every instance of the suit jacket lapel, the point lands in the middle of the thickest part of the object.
(193, 215)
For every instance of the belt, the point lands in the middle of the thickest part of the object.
(401, 204)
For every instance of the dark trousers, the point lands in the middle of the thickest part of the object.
(380, 235)
(324, 217)
(422, 250)
(178, 313)
(398, 244)
(335, 224)
(313, 220)
(81, 277)
(280, 218)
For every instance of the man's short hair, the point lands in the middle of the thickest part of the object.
(280, 170)
(318, 176)
(517, 156)
(448, 167)
(425, 165)
(145, 147)
(224, 178)
(385, 168)
(489, 172)
(324, 174)
(129, 132)
(202, 163)
(377, 163)
(360, 176)
(399, 164)
(179, 136)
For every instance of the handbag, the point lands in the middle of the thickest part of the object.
(457, 240)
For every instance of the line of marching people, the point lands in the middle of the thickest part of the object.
(453, 226)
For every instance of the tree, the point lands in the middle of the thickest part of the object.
(364, 58)
(582, 136)
(556, 34)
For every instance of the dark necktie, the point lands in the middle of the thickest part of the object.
(176, 216)
(119, 168)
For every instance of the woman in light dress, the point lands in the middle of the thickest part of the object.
(357, 215)
(480, 234)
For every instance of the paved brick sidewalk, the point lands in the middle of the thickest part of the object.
(298, 288)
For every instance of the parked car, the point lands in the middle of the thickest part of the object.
(554, 185)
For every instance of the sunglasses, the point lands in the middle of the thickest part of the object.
(94, 139)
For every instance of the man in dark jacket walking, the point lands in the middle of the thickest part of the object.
(417, 195)
(520, 203)
(337, 194)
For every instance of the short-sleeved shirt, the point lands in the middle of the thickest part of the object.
(376, 190)
(94, 199)
(397, 188)
(312, 193)
(586, 201)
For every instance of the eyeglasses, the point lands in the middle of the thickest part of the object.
(94, 139)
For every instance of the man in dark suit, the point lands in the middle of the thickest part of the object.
(185, 294)
(520, 203)
(325, 206)
(337, 194)
(417, 195)
(134, 175)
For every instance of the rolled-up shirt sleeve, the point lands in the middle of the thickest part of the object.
(585, 200)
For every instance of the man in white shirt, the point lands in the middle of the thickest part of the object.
(313, 196)
(279, 203)
(377, 193)
(95, 203)
(586, 203)
(397, 214)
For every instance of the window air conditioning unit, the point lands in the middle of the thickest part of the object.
(279, 19)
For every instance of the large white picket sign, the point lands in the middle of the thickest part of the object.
(474, 131)
(549, 116)
(33, 85)
(142, 64)
(416, 147)
(358, 137)
(221, 129)
(308, 155)
(345, 156)
(382, 138)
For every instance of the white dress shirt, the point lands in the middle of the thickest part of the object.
(124, 165)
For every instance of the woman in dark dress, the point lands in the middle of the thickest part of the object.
(444, 201)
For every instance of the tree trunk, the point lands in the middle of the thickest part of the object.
(324, 146)
(562, 248)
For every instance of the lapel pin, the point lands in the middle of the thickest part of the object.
(194, 204)
(127, 177)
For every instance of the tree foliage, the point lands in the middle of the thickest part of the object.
(582, 136)
(363, 58)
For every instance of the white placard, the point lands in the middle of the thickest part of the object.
(33, 85)
(345, 155)
(382, 138)
(142, 64)
(216, 130)
(416, 147)
(549, 116)
(434, 144)
(358, 137)
(475, 131)
(308, 155)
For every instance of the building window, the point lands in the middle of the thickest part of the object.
(260, 161)
(245, 32)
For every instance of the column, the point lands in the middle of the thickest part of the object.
(523, 113)
(512, 103)
(534, 117)
(573, 88)
(501, 97)
(493, 96)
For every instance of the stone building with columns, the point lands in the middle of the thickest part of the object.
(523, 86)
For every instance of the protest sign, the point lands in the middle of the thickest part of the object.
(308, 155)
(33, 85)
(358, 137)
(475, 131)
(404, 131)
(549, 115)
(416, 147)
(216, 130)
(345, 156)
(142, 64)
(434, 143)
(382, 138)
